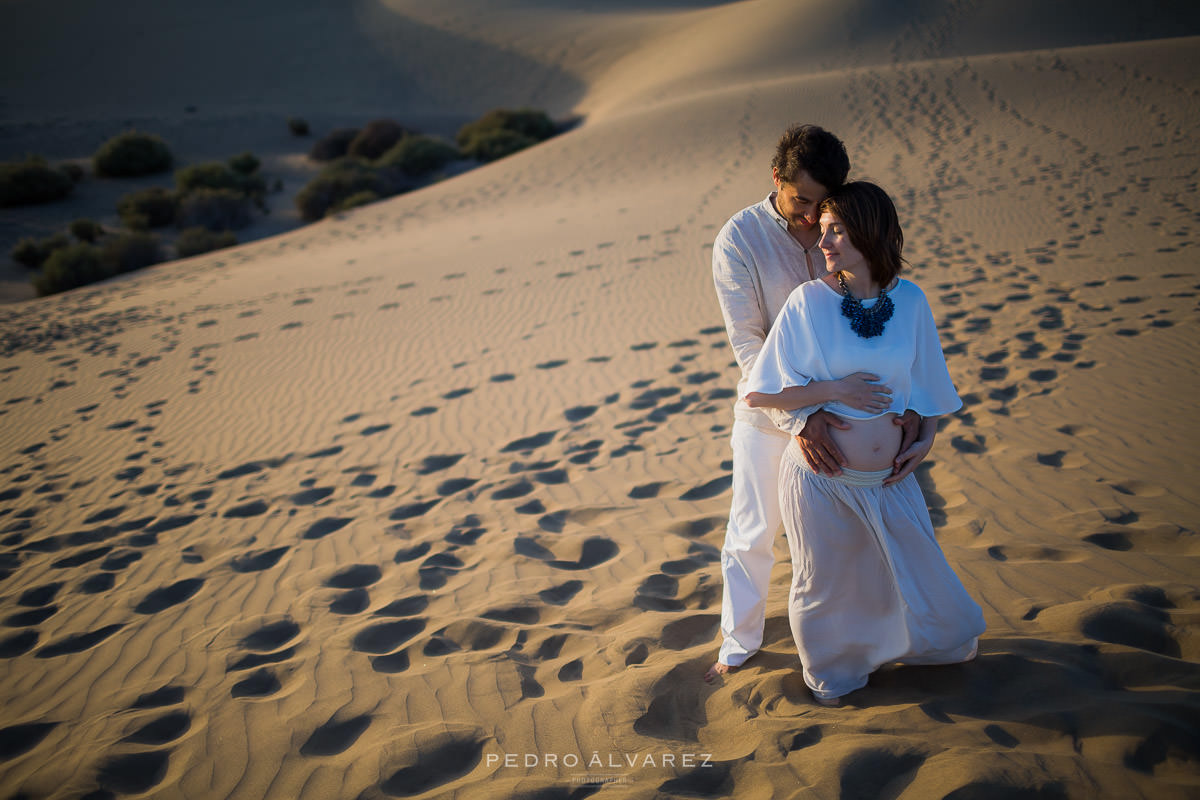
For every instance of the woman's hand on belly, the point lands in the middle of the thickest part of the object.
(915, 453)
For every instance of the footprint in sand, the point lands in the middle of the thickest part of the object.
(658, 593)
(440, 762)
(354, 580)
(516, 489)
(161, 730)
(323, 527)
(258, 560)
(335, 736)
(1165, 539)
(466, 532)
(414, 509)
(261, 683)
(162, 599)
(868, 773)
(437, 569)
(253, 508)
(1139, 488)
(76, 643)
(135, 773)
(437, 463)
(1027, 553)
(698, 528)
(264, 648)
(593, 552)
(529, 443)
(16, 740)
(699, 556)
(311, 496)
(713, 488)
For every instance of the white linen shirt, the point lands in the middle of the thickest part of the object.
(756, 265)
(812, 340)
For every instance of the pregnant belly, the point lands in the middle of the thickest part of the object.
(869, 444)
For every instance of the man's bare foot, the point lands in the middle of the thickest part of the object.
(716, 670)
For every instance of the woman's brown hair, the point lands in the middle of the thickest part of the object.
(873, 226)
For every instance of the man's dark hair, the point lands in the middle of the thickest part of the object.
(873, 226)
(814, 150)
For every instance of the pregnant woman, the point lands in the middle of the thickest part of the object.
(870, 584)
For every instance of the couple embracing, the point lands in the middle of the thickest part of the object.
(842, 382)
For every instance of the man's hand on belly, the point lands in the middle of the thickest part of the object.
(817, 445)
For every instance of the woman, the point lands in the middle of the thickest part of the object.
(870, 584)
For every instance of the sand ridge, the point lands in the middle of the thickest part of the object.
(361, 510)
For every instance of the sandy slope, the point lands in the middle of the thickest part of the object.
(360, 510)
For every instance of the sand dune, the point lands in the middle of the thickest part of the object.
(364, 509)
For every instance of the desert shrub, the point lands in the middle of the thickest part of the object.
(126, 252)
(83, 263)
(86, 230)
(214, 209)
(215, 175)
(130, 154)
(377, 138)
(333, 145)
(341, 180)
(354, 201)
(32, 181)
(298, 126)
(33, 253)
(245, 163)
(419, 155)
(71, 266)
(153, 207)
(194, 241)
(482, 137)
(493, 144)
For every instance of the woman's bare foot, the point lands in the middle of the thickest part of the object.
(716, 670)
(828, 702)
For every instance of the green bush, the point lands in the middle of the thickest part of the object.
(71, 266)
(131, 154)
(298, 126)
(483, 138)
(333, 145)
(83, 263)
(376, 138)
(215, 175)
(354, 201)
(33, 253)
(245, 163)
(86, 230)
(32, 181)
(493, 144)
(126, 252)
(194, 241)
(342, 180)
(153, 207)
(214, 209)
(419, 155)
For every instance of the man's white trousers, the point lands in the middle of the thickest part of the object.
(749, 551)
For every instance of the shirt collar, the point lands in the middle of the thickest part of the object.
(769, 205)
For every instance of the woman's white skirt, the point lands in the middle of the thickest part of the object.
(870, 584)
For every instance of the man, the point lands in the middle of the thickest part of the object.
(762, 254)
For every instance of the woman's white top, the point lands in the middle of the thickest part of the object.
(812, 341)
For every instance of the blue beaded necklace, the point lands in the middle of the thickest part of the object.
(866, 322)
